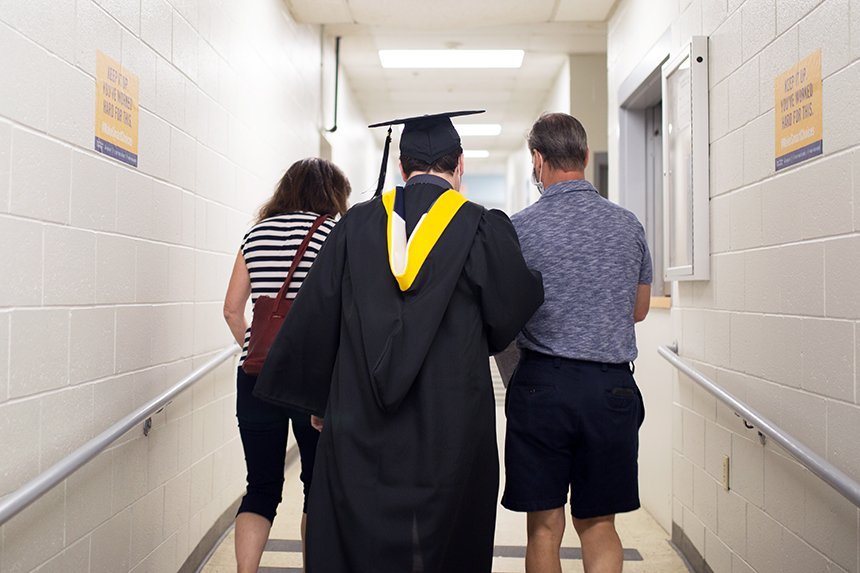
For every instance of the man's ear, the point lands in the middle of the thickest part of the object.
(587, 157)
(461, 163)
(402, 173)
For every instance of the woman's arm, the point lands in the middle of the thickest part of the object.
(238, 292)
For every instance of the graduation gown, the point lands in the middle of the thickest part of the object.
(406, 474)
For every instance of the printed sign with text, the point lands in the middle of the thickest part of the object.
(116, 110)
(797, 100)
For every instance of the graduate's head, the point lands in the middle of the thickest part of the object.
(428, 144)
(310, 184)
(446, 164)
(558, 141)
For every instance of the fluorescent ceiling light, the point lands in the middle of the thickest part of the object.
(476, 153)
(451, 58)
(467, 129)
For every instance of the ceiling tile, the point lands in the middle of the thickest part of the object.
(450, 14)
(320, 11)
(583, 10)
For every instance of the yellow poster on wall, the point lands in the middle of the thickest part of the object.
(797, 100)
(116, 110)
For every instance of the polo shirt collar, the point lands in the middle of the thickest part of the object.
(569, 185)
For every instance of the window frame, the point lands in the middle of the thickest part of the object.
(697, 195)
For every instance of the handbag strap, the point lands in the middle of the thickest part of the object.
(300, 253)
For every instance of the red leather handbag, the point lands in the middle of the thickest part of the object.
(269, 313)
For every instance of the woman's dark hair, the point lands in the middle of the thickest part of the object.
(445, 164)
(311, 184)
(561, 140)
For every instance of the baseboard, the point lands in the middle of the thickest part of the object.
(210, 540)
(204, 549)
(695, 561)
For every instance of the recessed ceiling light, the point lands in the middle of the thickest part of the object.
(451, 58)
(467, 129)
(476, 153)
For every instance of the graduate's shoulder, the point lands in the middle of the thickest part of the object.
(371, 203)
(492, 218)
(479, 210)
(491, 223)
(361, 211)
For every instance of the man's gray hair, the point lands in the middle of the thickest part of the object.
(561, 140)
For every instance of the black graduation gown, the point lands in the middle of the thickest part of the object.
(406, 474)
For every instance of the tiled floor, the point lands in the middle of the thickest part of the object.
(647, 548)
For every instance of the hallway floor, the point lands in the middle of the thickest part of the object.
(646, 544)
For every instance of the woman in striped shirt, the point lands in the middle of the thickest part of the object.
(310, 188)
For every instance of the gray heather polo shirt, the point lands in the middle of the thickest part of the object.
(592, 255)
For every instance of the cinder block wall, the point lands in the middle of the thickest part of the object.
(111, 278)
(588, 101)
(777, 324)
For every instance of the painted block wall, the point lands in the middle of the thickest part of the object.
(580, 90)
(777, 324)
(356, 149)
(588, 101)
(112, 278)
(521, 192)
(655, 435)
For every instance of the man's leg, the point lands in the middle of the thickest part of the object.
(601, 546)
(545, 530)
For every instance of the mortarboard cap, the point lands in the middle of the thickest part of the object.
(424, 137)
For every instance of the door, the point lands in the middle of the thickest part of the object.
(654, 193)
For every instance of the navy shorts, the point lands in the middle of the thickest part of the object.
(572, 425)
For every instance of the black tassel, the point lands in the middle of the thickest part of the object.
(384, 167)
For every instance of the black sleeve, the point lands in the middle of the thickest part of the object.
(508, 290)
(298, 369)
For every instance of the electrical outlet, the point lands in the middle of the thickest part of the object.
(726, 473)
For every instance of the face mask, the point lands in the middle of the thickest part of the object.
(536, 179)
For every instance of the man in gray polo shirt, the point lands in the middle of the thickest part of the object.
(573, 407)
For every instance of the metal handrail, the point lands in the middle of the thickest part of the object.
(833, 476)
(16, 501)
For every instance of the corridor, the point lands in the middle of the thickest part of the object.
(139, 140)
(647, 545)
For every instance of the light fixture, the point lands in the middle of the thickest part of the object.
(476, 153)
(469, 129)
(451, 58)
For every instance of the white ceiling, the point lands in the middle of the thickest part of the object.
(547, 30)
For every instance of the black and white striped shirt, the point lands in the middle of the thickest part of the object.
(269, 248)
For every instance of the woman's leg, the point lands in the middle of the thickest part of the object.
(304, 532)
(306, 438)
(252, 532)
(263, 429)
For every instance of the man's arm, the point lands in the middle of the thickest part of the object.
(643, 302)
(646, 274)
(508, 291)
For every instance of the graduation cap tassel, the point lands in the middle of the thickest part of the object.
(384, 166)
